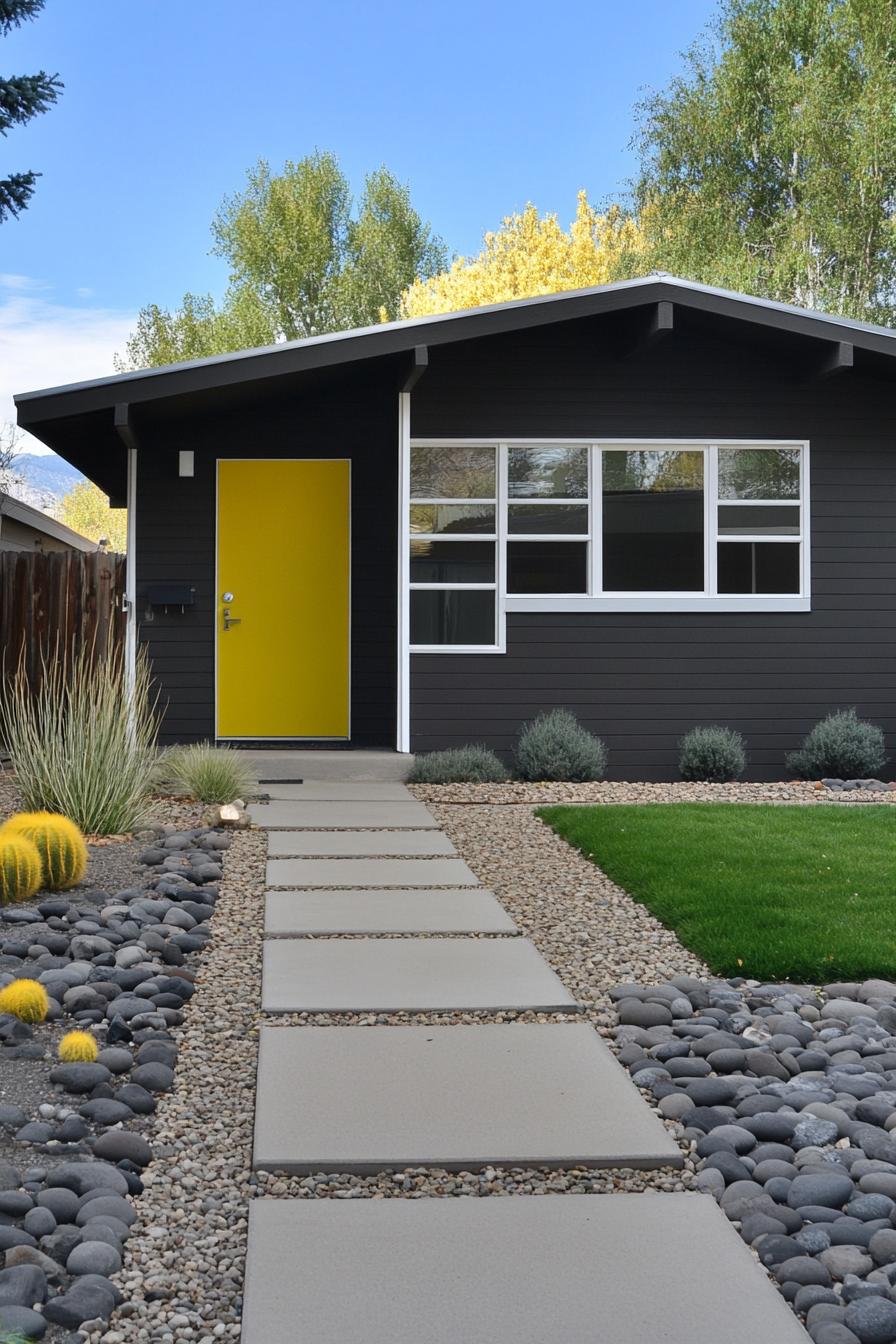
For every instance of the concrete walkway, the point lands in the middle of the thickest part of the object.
(363, 860)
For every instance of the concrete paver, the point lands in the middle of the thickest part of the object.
(527, 1269)
(318, 975)
(459, 1097)
(351, 844)
(382, 910)
(370, 873)
(344, 815)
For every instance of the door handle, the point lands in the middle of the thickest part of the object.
(230, 620)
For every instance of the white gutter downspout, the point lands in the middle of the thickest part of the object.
(403, 715)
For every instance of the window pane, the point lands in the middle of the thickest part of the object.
(452, 616)
(547, 567)
(551, 471)
(653, 520)
(452, 473)
(452, 518)
(452, 562)
(759, 473)
(754, 520)
(759, 567)
(548, 518)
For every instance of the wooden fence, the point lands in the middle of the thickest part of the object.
(56, 604)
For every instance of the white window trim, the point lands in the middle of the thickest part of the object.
(595, 600)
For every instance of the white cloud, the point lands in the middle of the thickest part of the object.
(46, 344)
(9, 280)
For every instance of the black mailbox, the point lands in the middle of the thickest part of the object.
(166, 595)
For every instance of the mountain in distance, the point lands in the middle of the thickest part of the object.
(43, 478)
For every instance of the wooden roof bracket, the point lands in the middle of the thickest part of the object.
(839, 357)
(660, 323)
(418, 365)
(125, 431)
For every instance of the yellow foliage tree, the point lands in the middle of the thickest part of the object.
(86, 509)
(532, 254)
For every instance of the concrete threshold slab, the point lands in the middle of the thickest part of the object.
(527, 1269)
(301, 914)
(370, 873)
(354, 844)
(337, 791)
(333, 765)
(391, 975)
(349, 815)
(459, 1097)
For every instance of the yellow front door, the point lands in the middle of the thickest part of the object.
(283, 599)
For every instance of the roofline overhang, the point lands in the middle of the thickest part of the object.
(390, 338)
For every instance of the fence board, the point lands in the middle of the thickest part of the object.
(59, 603)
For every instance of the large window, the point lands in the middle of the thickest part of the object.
(624, 526)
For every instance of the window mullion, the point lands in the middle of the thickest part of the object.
(501, 508)
(711, 485)
(595, 525)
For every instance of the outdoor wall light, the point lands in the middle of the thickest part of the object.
(185, 462)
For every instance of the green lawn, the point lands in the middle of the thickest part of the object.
(799, 893)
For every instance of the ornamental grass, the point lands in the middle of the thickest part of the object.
(83, 740)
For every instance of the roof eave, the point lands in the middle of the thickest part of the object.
(370, 343)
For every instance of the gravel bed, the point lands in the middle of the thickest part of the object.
(787, 1097)
(117, 957)
(612, 791)
(182, 1277)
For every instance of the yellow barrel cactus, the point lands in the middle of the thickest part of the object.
(78, 1047)
(63, 853)
(26, 1000)
(20, 868)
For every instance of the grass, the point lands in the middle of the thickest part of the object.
(771, 893)
(207, 773)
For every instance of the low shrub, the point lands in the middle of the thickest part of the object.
(207, 773)
(715, 755)
(25, 999)
(78, 1047)
(473, 764)
(20, 868)
(63, 853)
(842, 746)
(83, 741)
(555, 746)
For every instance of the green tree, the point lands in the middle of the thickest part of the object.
(301, 263)
(86, 509)
(770, 165)
(21, 98)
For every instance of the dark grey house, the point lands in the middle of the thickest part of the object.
(654, 502)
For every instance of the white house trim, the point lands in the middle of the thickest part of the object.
(403, 715)
(130, 571)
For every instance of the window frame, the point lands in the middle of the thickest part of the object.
(597, 600)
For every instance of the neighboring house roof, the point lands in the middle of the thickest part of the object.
(88, 422)
(10, 507)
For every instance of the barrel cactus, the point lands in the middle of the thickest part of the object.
(20, 868)
(26, 1000)
(63, 853)
(78, 1047)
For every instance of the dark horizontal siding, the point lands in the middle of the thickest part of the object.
(642, 680)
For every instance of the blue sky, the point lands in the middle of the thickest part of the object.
(481, 108)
